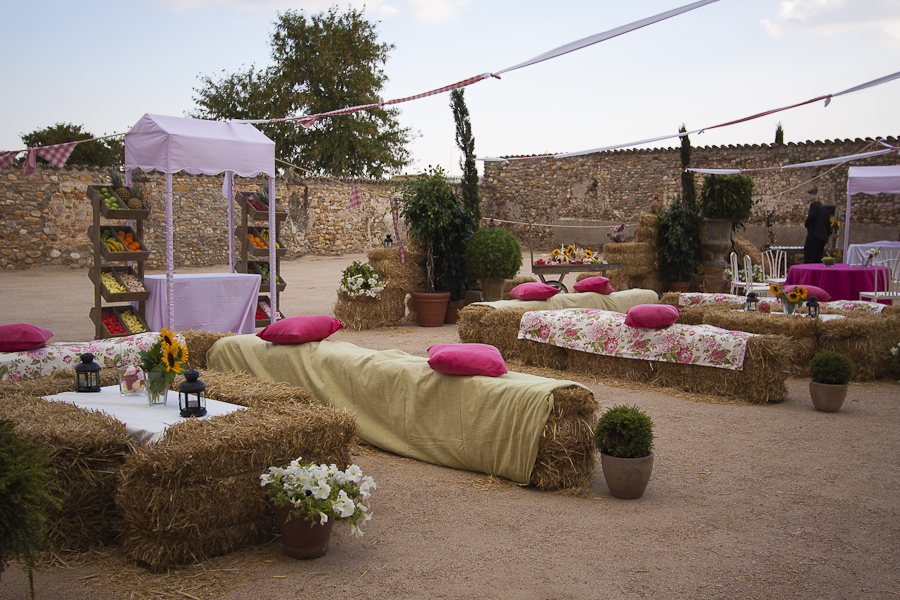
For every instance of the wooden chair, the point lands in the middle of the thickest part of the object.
(887, 271)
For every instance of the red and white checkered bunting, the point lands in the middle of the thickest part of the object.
(30, 164)
(56, 155)
(354, 199)
(7, 158)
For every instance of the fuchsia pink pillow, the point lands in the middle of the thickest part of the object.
(298, 330)
(811, 290)
(16, 337)
(651, 315)
(533, 290)
(598, 284)
(466, 359)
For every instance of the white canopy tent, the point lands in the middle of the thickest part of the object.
(869, 180)
(197, 146)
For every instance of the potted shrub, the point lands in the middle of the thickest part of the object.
(450, 270)
(24, 500)
(830, 374)
(492, 255)
(429, 206)
(725, 203)
(680, 253)
(624, 436)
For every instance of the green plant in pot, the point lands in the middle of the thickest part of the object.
(725, 203)
(24, 500)
(830, 374)
(492, 255)
(680, 252)
(624, 436)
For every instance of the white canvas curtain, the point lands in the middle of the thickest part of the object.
(869, 180)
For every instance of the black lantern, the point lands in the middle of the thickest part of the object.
(752, 302)
(388, 242)
(812, 307)
(87, 374)
(191, 400)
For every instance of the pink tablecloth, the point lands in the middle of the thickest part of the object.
(843, 282)
(205, 302)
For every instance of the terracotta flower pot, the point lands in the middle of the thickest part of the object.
(302, 538)
(453, 308)
(431, 308)
(827, 397)
(626, 477)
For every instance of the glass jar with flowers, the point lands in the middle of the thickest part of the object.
(161, 363)
(309, 499)
(791, 299)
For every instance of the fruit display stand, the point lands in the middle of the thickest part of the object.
(114, 279)
(253, 255)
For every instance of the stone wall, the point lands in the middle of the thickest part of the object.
(44, 218)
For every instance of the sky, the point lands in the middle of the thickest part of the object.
(103, 64)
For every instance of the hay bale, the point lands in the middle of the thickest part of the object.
(244, 389)
(195, 494)
(198, 343)
(619, 279)
(49, 385)
(368, 313)
(470, 325)
(744, 247)
(408, 276)
(566, 456)
(867, 339)
(85, 450)
(500, 328)
(671, 298)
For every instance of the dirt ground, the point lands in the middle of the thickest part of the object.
(745, 501)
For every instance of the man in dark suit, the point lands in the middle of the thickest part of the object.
(816, 232)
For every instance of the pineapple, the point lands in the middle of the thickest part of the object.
(135, 201)
(115, 180)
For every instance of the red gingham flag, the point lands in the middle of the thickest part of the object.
(354, 199)
(6, 159)
(30, 164)
(56, 155)
(395, 214)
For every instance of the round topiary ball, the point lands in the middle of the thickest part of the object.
(624, 432)
(831, 367)
(492, 253)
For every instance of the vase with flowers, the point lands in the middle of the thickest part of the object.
(309, 499)
(789, 300)
(870, 254)
(161, 363)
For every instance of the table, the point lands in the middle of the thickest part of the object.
(856, 253)
(842, 281)
(205, 302)
(144, 422)
(562, 269)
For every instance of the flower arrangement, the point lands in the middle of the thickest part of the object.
(361, 280)
(870, 254)
(321, 492)
(167, 356)
(568, 254)
(833, 226)
(757, 274)
(789, 300)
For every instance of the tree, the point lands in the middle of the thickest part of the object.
(323, 62)
(779, 135)
(688, 191)
(101, 153)
(466, 143)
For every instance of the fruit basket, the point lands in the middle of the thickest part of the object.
(256, 210)
(118, 234)
(118, 321)
(261, 235)
(119, 284)
(263, 269)
(96, 194)
(263, 310)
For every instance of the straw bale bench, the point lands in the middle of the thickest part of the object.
(525, 428)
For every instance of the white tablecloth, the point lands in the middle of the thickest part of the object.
(205, 302)
(856, 253)
(146, 423)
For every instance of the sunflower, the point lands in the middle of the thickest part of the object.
(555, 252)
(775, 289)
(570, 249)
(802, 291)
(588, 254)
(174, 357)
(793, 297)
(166, 337)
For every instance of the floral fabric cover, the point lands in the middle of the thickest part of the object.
(123, 351)
(703, 299)
(604, 332)
(872, 308)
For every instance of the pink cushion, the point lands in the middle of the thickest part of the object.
(533, 290)
(22, 336)
(466, 359)
(598, 284)
(297, 330)
(811, 290)
(651, 315)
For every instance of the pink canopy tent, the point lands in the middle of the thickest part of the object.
(197, 146)
(869, 180)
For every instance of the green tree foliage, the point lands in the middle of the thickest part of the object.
(101, 153)
(322, 62)
(466, 143)
(779, 134)
(688, 190)
(680, 251)
(624, 432)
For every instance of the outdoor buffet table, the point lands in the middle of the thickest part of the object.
(842, 281)
(205, 302)
(146, 423)
(856, 253)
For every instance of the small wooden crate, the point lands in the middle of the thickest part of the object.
(264, 286)
(93, 193)
(127, 255)
(117, 272)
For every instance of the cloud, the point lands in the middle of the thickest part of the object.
(436, 11)
(432, 11)
(879, 19)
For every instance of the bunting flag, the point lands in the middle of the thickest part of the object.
(56, 155)
(30, 164)
(395, 213)
(354, 199)
(7, 158)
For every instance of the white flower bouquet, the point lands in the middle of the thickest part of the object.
(321, 492)
(361, 280)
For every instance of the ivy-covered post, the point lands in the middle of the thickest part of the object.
(688, 191)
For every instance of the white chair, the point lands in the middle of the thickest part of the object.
(736, 284)
(760, 287)
(774, 265)
(743, 286)
(887, 272)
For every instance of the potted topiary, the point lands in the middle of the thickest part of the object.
(24, 500)
(830, 372)
(725, 203)
(624, 437)
(680, 253)
(492, 255)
